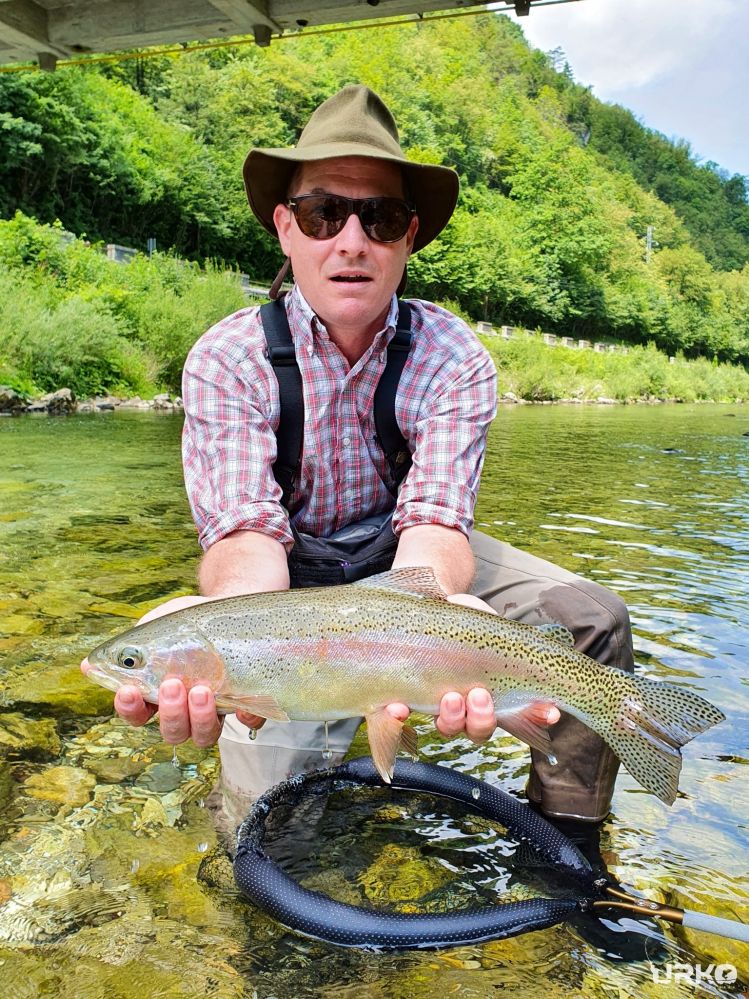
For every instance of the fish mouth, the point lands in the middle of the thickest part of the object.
(114, 683)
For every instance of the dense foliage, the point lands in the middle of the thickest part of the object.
(557, 189)
(70, 317)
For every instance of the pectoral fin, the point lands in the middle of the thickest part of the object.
(254, 704)
(386, 734)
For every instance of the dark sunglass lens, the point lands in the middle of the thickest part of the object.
(385, 219)
(321, 217)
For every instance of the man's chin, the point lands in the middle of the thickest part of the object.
(354, 306)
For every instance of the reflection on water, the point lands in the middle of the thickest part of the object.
(102, 839)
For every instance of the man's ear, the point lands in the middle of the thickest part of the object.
(282, 221)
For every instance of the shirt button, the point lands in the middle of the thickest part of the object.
(346, 441)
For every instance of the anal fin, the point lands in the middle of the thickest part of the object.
(536, 736)
(409, 743)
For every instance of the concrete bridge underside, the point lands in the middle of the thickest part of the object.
(48, 30)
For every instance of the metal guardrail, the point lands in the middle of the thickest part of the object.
(550, 339)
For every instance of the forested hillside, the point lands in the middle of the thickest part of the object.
(557, 189)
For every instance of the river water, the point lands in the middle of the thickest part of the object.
(102, 838)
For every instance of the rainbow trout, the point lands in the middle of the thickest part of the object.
(344, 651)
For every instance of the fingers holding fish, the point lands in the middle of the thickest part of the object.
(398, 710)
(205, 723)
(130, 706)
(473, 715)
(480, 716)
(542, 713)
(183, 717)
(451, 720)
(174, 715)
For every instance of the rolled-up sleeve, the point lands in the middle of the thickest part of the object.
(448, 442)
(229, 446)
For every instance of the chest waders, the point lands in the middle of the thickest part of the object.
(368, 546)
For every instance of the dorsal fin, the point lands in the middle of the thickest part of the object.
(415, 580)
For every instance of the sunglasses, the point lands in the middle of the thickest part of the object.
(323, 216)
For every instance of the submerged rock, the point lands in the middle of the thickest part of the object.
(34, 738)
(59, 689)
(64, 785)
(401, 874)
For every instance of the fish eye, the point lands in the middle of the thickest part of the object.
(130, 658)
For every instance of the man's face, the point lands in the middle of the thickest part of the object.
(348, 279)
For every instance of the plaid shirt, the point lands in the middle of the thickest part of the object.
(445, 402)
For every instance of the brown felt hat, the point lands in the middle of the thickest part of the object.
(353, 122)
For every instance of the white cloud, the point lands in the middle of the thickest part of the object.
(679, 64)
(621, 44)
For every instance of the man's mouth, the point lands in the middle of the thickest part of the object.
(351, 278)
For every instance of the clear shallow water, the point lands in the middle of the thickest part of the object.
(101, 838)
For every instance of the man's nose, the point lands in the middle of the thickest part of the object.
(352, 239)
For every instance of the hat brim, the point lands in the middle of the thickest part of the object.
(268, 172)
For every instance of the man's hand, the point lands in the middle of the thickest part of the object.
(182, 715)
(474, 713)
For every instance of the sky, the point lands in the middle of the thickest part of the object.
(682, 66)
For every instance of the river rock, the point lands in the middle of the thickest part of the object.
(58, 403)
(163, 401)
(135, 403)
(32, 738)
(217, 871)
(64, 785)
(107, 403)
(59, 689)
(401, 875)
(10, 400)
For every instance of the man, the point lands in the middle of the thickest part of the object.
(348, 210)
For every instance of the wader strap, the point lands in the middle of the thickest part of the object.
(389, 437)
(290, 433)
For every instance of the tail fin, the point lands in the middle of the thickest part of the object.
(656, 720)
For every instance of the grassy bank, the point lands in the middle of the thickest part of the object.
(531, 370)
(71, 318)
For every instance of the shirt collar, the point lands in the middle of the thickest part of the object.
(306, 325)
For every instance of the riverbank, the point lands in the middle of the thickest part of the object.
(529, 371)
(64, 403)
